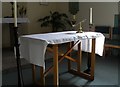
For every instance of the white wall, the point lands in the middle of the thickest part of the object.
(36, 11)
(119, 7)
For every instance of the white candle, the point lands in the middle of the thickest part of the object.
(90, 15)
(15, 14)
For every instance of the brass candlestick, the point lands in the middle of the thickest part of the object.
(74, 24)
(80, 28)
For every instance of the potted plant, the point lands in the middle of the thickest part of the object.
(56, 20)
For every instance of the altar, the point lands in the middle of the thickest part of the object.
(33, 48)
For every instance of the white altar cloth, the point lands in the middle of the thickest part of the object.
(33, 47)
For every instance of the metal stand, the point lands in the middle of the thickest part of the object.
(19, 71)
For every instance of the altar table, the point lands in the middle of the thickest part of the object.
(33, 48)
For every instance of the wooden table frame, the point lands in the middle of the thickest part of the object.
(67, 55)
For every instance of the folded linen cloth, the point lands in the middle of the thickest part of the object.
(33, 47)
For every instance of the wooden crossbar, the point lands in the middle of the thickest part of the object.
(61, 54)
(112, 46)
(65, 55)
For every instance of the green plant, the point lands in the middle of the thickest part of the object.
(56, 20)
(22, 11)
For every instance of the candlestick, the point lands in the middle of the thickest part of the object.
(74, 17)
(80, 25)
(15, 13)
(17, 52)
(80, 29)
(90, 15)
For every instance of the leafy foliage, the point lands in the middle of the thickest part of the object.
(56, 20)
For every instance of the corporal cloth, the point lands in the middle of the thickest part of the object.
(33, 47)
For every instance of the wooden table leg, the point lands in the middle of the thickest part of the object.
(93, 59)
(79, 60)
(89, 76)
(55, 65)
(42, 78)
(34, 74)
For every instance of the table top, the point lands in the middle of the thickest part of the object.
(62, 37)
